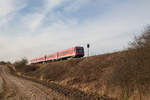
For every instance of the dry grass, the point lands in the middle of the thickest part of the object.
(83, 70)
(132, 70)
(85, 74)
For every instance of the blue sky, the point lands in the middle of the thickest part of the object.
(33, 28)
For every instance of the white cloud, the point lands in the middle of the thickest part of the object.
(8, 8)
(35, 19)
(51, 4)
(75, 5)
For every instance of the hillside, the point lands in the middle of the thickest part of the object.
(87, 74)
(124, 75)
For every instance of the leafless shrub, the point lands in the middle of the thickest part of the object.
(132, 70)
(21, 63)
(22, 66)
(2, 62)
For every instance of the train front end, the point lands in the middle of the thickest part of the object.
(79, 52)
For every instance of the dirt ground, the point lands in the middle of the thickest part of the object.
(17, 88)
(14, 88)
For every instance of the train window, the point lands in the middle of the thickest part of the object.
(64, 52)
(79, 49)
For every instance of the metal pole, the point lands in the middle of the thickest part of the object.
(88, 51)
(88, 46)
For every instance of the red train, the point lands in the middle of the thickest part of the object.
(74, 52)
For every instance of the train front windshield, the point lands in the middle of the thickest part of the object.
(80, 49)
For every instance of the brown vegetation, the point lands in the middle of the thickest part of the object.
(22, 66)
(85, 74)
(132, 70)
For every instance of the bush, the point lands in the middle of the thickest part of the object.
(2, 63)
(22, 66)
(21, 63)
(132, 70)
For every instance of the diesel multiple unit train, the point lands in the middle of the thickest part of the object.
(74, 52)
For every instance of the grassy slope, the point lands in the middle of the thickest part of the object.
(86, 74)
(92, 74)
